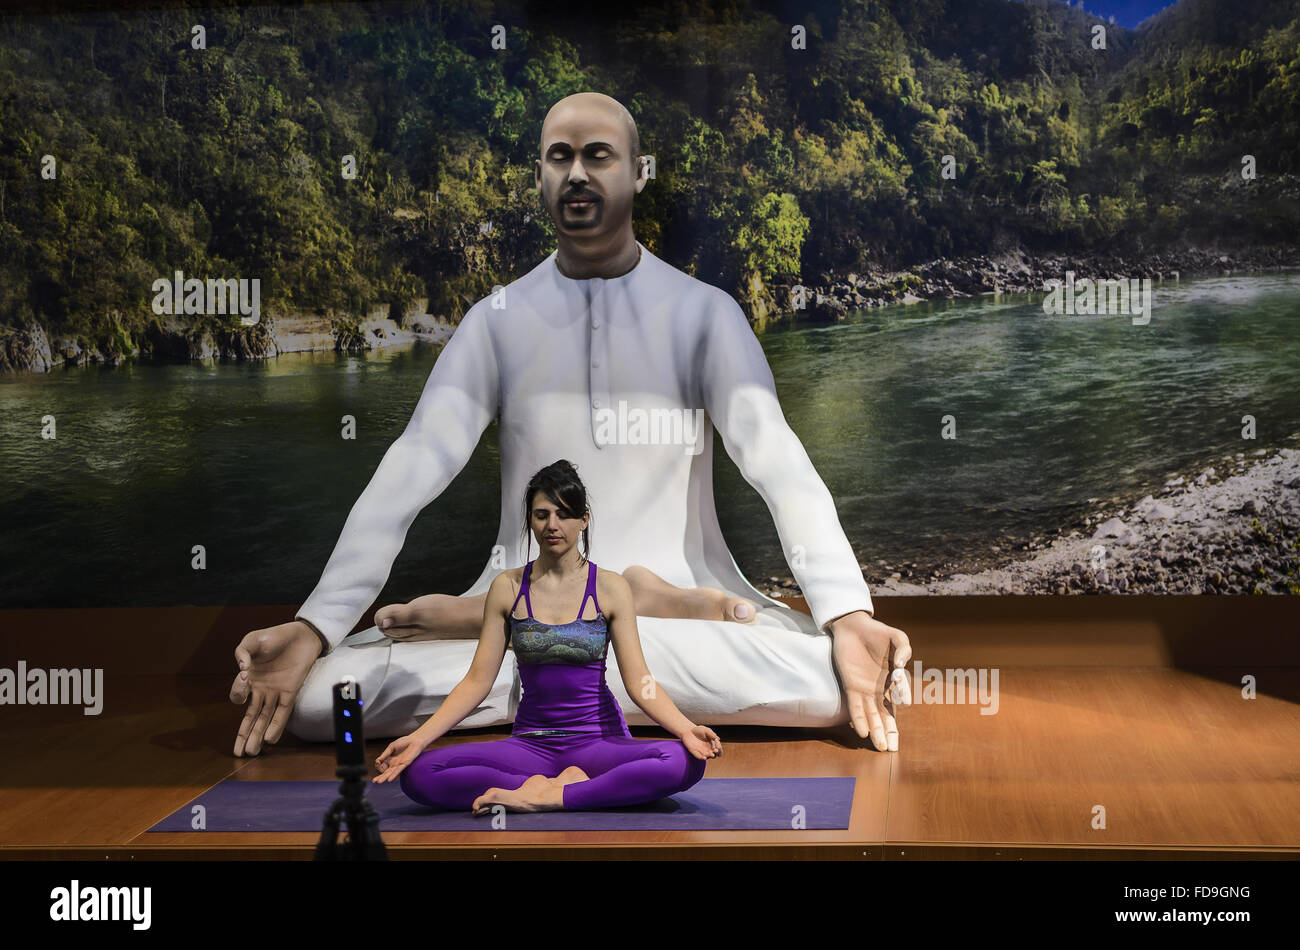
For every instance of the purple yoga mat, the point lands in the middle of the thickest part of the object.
(712, 804)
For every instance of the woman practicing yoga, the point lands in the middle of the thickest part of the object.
(570, 747)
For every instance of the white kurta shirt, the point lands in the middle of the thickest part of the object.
(553, 356)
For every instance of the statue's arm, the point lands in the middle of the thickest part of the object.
(739, 395)
(460, 398)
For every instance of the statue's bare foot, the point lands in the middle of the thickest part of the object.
(709, 603)
(655, 597)
(433, 617)
(537, 794)
(735, 609)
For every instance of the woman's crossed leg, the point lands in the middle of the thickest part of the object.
(550, 773)
(455, 777)
(622, 771)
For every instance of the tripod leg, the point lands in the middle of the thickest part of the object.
(327, 844)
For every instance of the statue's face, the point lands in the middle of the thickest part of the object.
(586, 155)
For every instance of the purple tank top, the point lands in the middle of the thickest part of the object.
(562, 671)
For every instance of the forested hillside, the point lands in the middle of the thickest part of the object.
(771, 161)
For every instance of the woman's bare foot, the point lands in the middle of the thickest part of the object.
(539, 793)
(569, 776)
(655, 597)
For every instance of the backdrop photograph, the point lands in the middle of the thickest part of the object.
(737, 430)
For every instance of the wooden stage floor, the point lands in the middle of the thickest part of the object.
(1182, 764)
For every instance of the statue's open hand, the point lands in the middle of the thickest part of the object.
(273, 663)
(861, 650)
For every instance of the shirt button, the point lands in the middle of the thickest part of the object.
(595, 324)
(595, 364)
(596, 403)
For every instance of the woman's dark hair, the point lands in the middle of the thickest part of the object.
(560, 482)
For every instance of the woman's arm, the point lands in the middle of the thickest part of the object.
(470, 692)
(620, 612)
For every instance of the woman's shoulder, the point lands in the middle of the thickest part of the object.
(510, 579)
(610, 582)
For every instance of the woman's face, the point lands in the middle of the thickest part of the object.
(550, 521)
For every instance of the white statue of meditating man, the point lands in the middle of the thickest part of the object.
(599, 333)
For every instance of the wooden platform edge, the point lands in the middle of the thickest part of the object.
(918, 851)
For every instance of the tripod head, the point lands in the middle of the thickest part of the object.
(364, 842)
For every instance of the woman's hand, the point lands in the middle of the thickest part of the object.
(400, 753)
(702, 742)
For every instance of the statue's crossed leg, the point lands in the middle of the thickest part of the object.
(716, 671)
(452, 617)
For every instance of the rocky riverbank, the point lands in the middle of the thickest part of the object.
(1011, 272)
(1231, 527)
(1016, 272)
(170, 340)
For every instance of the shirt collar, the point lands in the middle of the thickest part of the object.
(640, 256)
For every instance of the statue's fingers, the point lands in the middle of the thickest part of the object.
(259, 725)
(891, 732)
(877, 726)
(902, 648)
(246, 726)
(857, 713)
(280, 718)
(239, 688)
(898, 693)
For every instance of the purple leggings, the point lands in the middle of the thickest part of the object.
(621, 770)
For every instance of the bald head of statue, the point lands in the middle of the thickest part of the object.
(589, 171)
